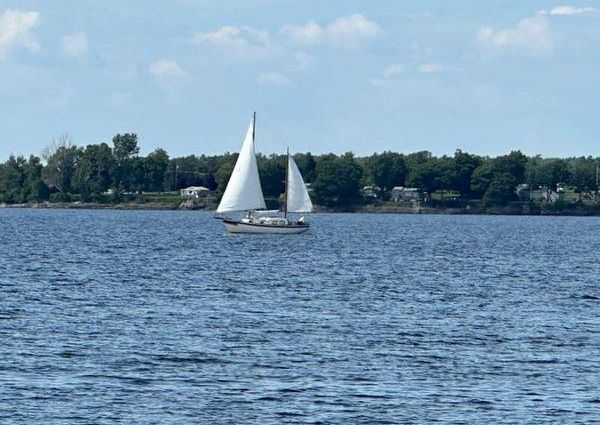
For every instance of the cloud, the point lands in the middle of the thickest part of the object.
(393, 70)
(350, 30)
(75, 44)
(430, 68)
(389, 76)
(273, 78)
(346, 31)
(310, 33)
(237, 42)
(304, 60)
(16, 30)
(530, 33)
(166, 67)
(248, 43)
(568, 10)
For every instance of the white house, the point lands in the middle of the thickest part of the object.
(401, 193)
(194, 192)
(541, 193)
(371, 191)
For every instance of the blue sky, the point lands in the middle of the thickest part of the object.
(361, 76)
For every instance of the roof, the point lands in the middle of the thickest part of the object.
(405, 189)
(201, 188)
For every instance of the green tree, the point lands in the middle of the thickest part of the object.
(446, 175)
(62, 159)
(136, 175)
(424, 175)
(496, 179)
(337, 180)
(125, 148)
(482, 178)
(223, 173)
(155, 165)
(500, 190)
(37, 190)
(417, 158)
(272, 174)
(93, 173)
(13, 180)
(552, 172)
(582, 175)
(464, 167)
(386, 170)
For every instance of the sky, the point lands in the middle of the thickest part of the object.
(323, 76)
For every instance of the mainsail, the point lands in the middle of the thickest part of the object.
(243, 191)
(297, 195)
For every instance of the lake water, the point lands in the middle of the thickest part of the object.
(161, 317)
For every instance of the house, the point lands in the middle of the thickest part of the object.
(401, 193)
(539, 194)
(371, 191)
(194, 192)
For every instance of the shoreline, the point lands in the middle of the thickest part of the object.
(576, 210)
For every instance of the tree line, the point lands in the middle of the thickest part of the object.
(106, 172)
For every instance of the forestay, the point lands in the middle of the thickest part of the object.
(243, 191)
(297, 195)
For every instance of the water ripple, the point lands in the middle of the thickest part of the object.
(162, 317)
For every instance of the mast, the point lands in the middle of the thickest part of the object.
(287, 177)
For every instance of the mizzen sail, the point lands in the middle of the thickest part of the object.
(298, 199)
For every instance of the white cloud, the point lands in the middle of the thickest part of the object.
(430, 67)
(393, 70)
(310, 33)
(244, 42)
(350, 30)
(346, 31)
(273, 78)
(166, 67)
(237, 42)
(75, 44)
(530, 33)
(304, 60)
(568, 10)
(388, 76)
(16, 30)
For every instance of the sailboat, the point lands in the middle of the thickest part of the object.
(244, 194)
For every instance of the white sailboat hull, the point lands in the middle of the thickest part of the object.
(235, 226)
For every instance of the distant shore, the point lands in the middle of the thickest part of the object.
(518, 209)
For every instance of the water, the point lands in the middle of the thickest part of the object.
(161, 317)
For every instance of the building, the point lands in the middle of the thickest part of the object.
(403, 194)
(371, 191)
(539, 194)
(194, 192)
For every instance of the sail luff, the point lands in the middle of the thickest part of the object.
(287, 181)
(243, 192)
